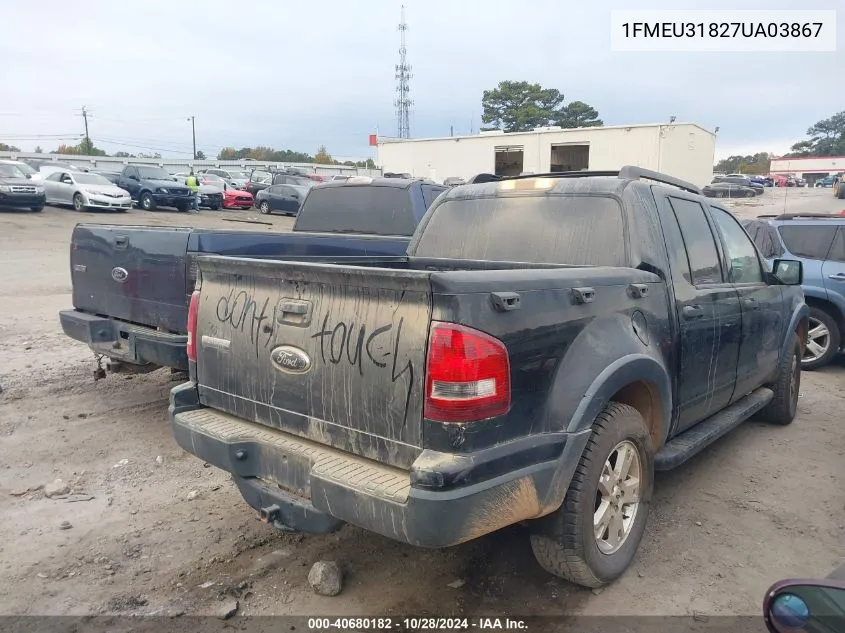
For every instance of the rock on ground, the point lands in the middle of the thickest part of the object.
(56, 488)
(325, 578)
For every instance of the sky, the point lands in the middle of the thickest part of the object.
(296, 75)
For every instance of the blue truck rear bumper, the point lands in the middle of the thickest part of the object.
(125, 341)
(299, 484)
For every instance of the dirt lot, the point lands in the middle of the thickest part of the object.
(153, 530)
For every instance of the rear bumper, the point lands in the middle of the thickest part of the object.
(126, 342)
(311, 487)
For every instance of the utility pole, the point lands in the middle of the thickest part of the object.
(193, 135)
(87, 138)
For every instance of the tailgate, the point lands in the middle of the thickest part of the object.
(334, 354)
(135, 274)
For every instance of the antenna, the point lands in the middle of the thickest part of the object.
(403, 101)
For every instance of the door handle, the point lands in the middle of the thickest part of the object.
(120, 241)
(751, 304)
(692, 312)
(837, 276)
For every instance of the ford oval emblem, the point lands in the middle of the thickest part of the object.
(290, 359)
(119, 274)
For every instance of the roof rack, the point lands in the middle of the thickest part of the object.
(800, 216)
(628, 171)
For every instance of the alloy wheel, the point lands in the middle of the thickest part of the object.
(617, 497)
(818, 340)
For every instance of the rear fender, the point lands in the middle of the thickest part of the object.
(597, 368)
(624, 372)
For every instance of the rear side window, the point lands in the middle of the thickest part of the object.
(837, 252)
(765, 238)
(430, 193)
(357, 209)
(577, 230)
(698, 239)
(812, 242)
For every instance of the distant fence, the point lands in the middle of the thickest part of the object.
(178, 164)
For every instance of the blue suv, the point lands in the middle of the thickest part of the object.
(819, 242)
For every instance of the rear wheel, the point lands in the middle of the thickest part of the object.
(593, 537)
(750, 194)
(147, 201)
(841, 192)
(823, 339)
(78, 203)
(264, 207)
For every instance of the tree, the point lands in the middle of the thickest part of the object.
(827, 138)
(759, 163)
(9, 148)
(516, 106)
(82, 148)
(38, 149)
(322, 156)
(124, 155)
(578, 114)
(200, 155)
(227, 153)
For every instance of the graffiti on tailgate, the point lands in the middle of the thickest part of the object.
(349, 342)
(242, 311)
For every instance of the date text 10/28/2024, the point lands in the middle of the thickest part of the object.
(415, 624)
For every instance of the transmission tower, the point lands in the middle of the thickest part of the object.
(403, 101)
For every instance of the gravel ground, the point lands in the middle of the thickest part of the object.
(137, 526)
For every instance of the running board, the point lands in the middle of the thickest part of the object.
(679, 449)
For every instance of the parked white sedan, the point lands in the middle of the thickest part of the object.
(85, 190)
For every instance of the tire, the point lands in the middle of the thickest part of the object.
(264, 207)
(78, 204)
(750, 194)
(564, 542)
(37, 209)
(182, 208)
(781, 410)
(215, 207)
(827, 337)
(841, 193)
(147, 202)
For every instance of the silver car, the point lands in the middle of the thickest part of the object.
(85, 190)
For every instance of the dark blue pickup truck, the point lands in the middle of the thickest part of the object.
(131, 284)
(547, 344)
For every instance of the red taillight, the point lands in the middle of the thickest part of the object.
(468, 375)
(193, 309)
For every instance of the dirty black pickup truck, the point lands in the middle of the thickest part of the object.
(547, 344)
(131, 284)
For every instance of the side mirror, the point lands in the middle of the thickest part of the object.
(792, 606)
(789, 272)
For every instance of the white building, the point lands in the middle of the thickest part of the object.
(810, 169)
(683, 150)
